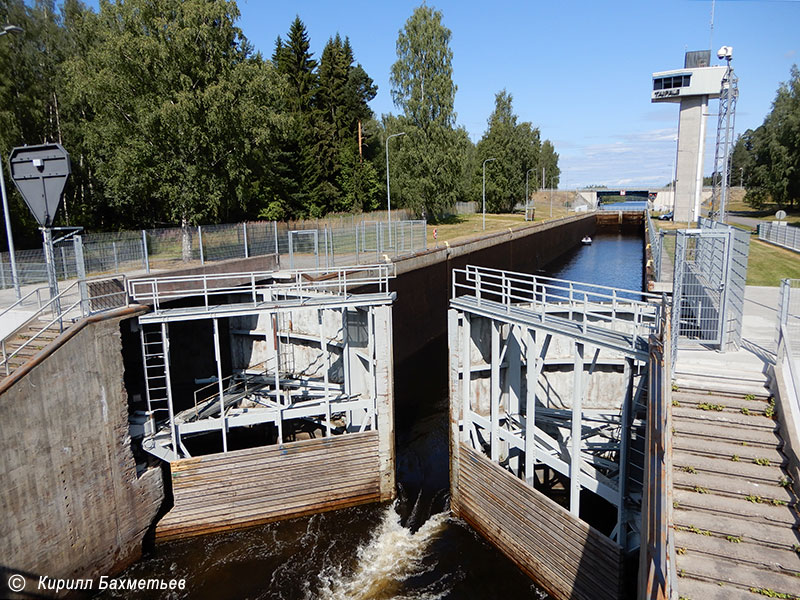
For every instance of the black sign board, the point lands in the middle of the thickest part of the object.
(40, 174)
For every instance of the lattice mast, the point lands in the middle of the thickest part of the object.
(729, 93)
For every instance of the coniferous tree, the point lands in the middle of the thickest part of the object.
(515, 148)
(549, 160)
(342, 102)
(293, 60)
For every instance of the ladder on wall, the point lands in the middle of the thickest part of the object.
(155, 355)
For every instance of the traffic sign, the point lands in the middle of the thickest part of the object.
(40, 174)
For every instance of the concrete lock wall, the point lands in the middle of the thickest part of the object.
(72, 504)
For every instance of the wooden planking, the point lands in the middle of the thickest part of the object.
(562, 553)
(259, 485)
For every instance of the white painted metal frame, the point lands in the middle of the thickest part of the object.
(296, 233)
(270, 389)
(507, 301)
(341, 282)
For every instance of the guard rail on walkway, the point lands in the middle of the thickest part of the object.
(80, 299)
(654, 239)
(657, 572)
(788, 333)
(342, 281)
(612, 308)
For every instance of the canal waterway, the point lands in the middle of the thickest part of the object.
(411, 549)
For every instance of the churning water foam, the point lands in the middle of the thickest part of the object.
(393, 554)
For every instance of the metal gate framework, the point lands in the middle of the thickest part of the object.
(708, 286)
(514, 338)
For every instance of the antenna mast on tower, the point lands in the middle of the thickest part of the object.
(729, 93)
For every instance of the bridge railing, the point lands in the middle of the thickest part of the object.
(616, 308)
(657, 572)
(341, 281)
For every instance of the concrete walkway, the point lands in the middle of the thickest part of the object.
(735, 514)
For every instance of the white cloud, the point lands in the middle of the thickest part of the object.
(630, 159)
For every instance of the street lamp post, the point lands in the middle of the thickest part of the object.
(388, 195)
(526, 193)
(741, 176)
(551, 197)
(484, 191)
(9, 235)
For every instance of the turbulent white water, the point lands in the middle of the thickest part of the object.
(392, 555)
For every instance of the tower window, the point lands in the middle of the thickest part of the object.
(669, 83)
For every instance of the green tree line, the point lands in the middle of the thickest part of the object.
(172, 118)
(767, 159)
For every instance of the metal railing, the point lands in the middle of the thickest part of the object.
(341, 240)
(788, 332)
(656, 247)
(657, 572)
(780, 235)
(618, 309)
(299, 282)
(80, 299)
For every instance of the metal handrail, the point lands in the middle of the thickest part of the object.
(19, 302)
(158, 289)
(517, 276)
(60, 315)
(545, 295)
(657, 571)
(785, 348)
(656, 248)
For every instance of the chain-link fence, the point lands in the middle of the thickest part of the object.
(334, 240)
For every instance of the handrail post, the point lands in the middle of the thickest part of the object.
(585, 312)
(200, 243)
(145, 255)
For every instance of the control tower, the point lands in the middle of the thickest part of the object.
(692, 87)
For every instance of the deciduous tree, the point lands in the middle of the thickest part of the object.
(430, 157)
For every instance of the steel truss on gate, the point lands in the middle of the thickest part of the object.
(512, 336)
(271, 391)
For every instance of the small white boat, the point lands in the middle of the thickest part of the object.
(586, 240)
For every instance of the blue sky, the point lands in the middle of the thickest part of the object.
(579, 70)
